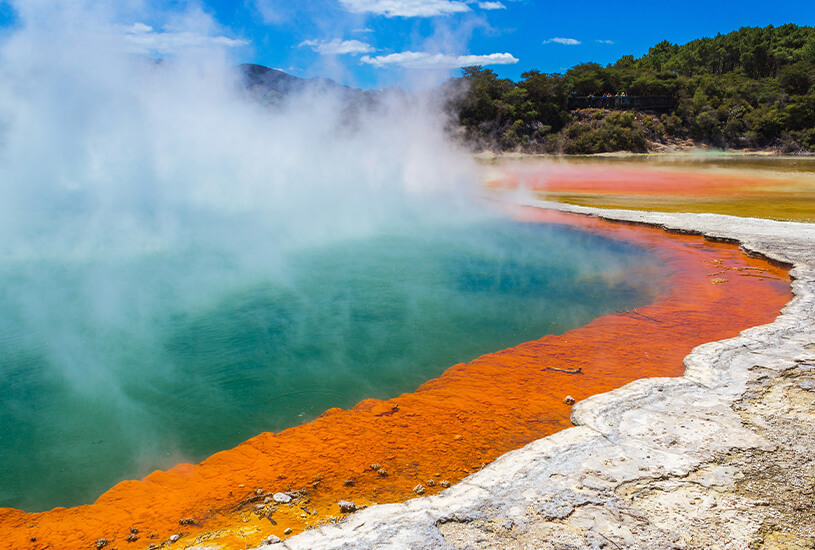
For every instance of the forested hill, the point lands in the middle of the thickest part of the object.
(751, 88)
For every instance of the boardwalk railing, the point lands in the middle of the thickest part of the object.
(633, 102)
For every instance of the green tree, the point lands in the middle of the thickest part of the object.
(751, 87)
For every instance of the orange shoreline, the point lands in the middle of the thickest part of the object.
(769, 193)
(446, 429)
(615, 180)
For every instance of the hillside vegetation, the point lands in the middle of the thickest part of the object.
(751, 88)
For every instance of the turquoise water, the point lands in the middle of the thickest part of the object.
(115, 367)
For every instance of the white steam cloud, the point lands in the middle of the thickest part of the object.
(108, 157)
(118, 144)
(147, 41)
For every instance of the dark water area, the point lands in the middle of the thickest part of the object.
(114, 368)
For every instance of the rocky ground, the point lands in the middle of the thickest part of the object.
(722, 458)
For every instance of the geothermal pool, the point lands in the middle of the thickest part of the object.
(118, 364)
(781, 188)
(444, 430)
(185, 271)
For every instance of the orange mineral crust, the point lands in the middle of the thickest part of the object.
(418, 443)
(616, 180)
(776, 190)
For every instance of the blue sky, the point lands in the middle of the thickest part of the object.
(378, 43)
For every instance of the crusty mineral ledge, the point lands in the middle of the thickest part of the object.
(721, 458)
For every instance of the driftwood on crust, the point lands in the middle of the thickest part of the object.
(578, 370)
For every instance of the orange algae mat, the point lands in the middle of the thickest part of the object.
(768, 193)
(610, 179)
(451, 426)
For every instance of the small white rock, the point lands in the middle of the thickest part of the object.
(272, 539)
(282, 498)
(174, 538)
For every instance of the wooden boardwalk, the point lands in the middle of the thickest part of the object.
(629, 102)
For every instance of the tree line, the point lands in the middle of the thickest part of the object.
(751, 88)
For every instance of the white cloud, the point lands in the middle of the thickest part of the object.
(143, 39)
(275, 12)
(405, 8)
(491, 6)
(425, 60)
(566, 41)
(338, 47)
(605, 41)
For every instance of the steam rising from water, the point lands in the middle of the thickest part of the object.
(161, 232)
(107, 156)
(132, 189)
(116, 148)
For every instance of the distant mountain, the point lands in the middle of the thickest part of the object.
(271, 84)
